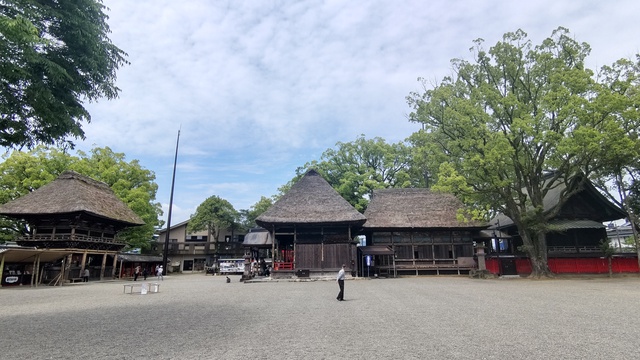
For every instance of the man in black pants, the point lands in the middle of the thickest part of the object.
(340, 281)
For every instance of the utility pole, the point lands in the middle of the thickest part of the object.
(165, 253)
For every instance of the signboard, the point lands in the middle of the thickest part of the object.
(11, 279)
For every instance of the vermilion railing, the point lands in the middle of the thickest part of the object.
(573, 265)
(281, 265)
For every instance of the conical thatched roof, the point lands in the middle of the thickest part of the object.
(415, 208)
(311, 200)
(72, 193)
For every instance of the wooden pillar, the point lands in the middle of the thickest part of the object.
(453, 252)
(295, 241)
(104, 264)
(352, 256)
(33, 270)
(84, 261)
(120, 271)
(273, 246)
(113, 267)
(393, 263)
(433, 249)
(413, 252)
(393, 246)
(66, 265)
(36, 272)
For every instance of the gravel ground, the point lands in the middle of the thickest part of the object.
(448, 317)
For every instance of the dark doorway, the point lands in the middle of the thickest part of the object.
(508, 267)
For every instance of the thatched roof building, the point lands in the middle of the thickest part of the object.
(72, 193)
(75, 213)
(574, 234)
(416, 208)
(427, 232)
(312, 228)
(586, 209)
(311, 201)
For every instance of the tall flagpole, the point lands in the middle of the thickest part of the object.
(165, 253)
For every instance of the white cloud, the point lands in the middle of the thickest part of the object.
(261, 87)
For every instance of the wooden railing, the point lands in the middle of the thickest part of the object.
(280, 265)
(574, 249)
(69, 237)
(434, 263)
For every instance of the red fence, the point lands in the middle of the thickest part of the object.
(573, 265)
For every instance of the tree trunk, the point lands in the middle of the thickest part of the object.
(536, 248)
(632, 221)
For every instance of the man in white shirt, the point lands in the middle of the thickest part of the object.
(340, 281)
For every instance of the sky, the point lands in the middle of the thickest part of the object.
(259, 88)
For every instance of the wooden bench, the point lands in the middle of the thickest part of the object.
(76, 280)
(151, 287)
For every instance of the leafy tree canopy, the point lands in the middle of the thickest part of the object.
(213, 215)
(23, 172)
(249, 216)
(54, 55)
(356, 168)
(519, 121)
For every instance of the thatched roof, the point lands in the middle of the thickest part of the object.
(311, 200)
(415, 208)
(29, 255)
(138, 258)
(605, 209)
(258, 239)
(72, 193)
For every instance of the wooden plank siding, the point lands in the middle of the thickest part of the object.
(419, 252)
(323, 255)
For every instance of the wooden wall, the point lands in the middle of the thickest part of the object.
(324, 256)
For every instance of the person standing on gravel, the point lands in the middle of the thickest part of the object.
(340, 280)
(159, 273)
(85, 275)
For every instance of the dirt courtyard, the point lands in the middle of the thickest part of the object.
(447, 317)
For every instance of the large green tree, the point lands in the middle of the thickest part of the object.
(213, 215)
(54, 56)
(248, 216)
(619, 176)
(515, 123)
(23, 172)
(357, 168)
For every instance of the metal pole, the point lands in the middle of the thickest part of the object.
(165, 253)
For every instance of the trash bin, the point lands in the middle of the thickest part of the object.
(302, 273)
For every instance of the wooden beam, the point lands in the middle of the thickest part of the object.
(120, 272)
(84, 261)
(104, 265)
(33, 270)
(113, 267)
(37, 272)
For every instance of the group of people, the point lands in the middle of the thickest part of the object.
(137, 272)
(260, 268)
(144, 272)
